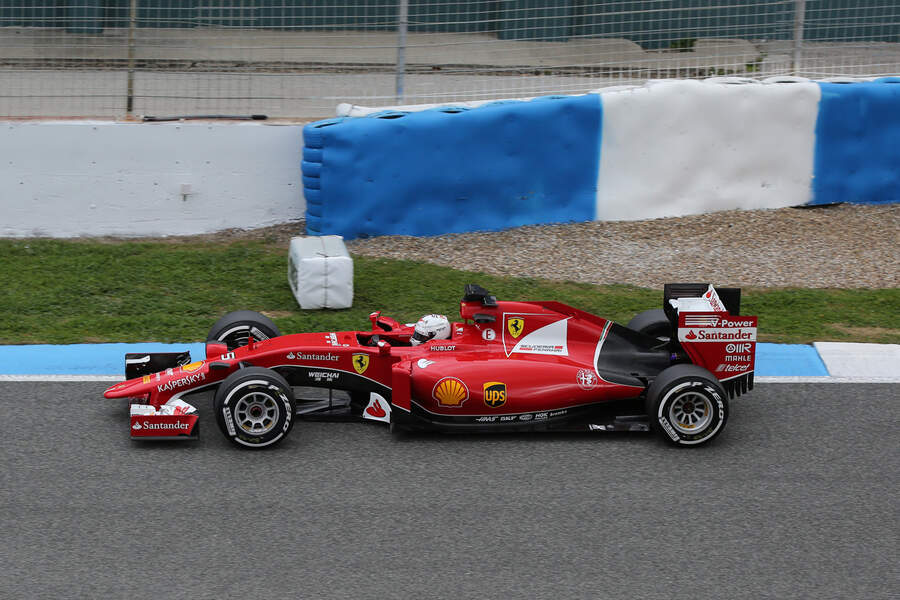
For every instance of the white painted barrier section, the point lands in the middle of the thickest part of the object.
(673, 148)
(74, 178)
(847, 359)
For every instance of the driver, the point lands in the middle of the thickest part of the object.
(431, 327)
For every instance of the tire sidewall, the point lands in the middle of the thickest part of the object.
(254, 380)
(653, 322)
(243, 321)
(660, 400)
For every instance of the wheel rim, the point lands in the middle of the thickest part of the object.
(256, 413)
(690, 412)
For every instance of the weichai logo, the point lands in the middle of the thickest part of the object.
(494, 394)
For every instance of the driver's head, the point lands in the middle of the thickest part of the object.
(431, 327)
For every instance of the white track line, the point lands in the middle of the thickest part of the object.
(61, 378)
(826, 379)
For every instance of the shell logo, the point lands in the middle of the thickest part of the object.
(194, 366)
(450, 391)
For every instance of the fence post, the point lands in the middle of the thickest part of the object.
(132, 23)
(402, 25)
(799, 20)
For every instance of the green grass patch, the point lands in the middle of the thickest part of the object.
(65, 292)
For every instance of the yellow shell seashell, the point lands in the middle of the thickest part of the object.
(450, 391)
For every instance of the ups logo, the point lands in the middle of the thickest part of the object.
(494, 394)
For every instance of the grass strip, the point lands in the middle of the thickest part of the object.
(77, 291)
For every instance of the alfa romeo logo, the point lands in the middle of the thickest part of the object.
(586, 379)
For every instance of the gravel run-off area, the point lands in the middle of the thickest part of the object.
(838, 246)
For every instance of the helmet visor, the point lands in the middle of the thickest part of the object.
(419, 338)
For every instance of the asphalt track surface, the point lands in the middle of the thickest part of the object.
(797, 498)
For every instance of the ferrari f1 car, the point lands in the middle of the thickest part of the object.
(507, 366)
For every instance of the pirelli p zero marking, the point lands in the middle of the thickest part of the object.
(229, 423)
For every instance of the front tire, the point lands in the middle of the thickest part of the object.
(255, 407)
(687, 405)
(235, 328)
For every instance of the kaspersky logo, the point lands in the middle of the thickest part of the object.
(515, 325)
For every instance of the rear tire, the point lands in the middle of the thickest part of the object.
(653, 322)
(687, 405)
(235, 328)
(255, 407)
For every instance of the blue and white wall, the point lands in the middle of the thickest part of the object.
(668, 148)
(663, 149)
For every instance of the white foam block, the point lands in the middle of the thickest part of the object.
(689, 147)
(844, 359)
(320, 272)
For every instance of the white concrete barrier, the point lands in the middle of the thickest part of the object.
(75, 178)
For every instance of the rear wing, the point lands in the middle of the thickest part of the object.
(712, 332)
(729, 296)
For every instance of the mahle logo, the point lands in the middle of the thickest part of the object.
(515, 326)
(494, 394)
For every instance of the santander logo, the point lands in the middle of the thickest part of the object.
(691, 335)
(376, 411)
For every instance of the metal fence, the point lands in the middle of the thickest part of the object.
(298, 59)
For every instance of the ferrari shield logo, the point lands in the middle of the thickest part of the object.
(360, 363)
(515, 326)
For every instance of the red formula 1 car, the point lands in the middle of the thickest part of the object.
(508, 366)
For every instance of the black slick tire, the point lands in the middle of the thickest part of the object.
(653, 322)
(235, 328)
(687, 405)
(255, 407)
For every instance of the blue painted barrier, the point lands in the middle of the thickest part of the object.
(857, 154)
(453, 169)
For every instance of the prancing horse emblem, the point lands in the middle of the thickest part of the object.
(360, 363)
(515, 326)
